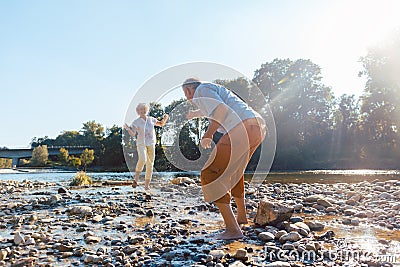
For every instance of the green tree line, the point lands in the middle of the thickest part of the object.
(315, 129)
(105, 144)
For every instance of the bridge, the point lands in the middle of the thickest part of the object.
(25, 153)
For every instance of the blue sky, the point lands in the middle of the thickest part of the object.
(63, 62)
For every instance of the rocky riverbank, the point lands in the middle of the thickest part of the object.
(49, 224)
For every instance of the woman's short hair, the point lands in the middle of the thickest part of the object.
(140, 105)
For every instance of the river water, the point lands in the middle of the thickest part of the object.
(316, 176)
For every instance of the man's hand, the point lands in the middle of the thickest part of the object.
(206, 142)
(126, 127)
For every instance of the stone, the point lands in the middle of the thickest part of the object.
(97, 218)
(217, 253)
(350, 211)
(266, 236)
(272, 213)
(64, 248)
(331, 209)
(29, 240)
(92, 239)
(288, 246)
(182, 181)
(150, 213)
(18, 239)
(324, 202)
(62, 190)
(55, 198)
(3, 254)
(280, 233)
(379, 188)
(88, 258)
(302, 225)
(298, 207)
(292, 237)
(25, 262)
(315, 225)
(135, 239)
(241, 254)
(310, 246)
(83, 210)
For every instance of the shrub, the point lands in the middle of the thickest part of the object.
(81, 178)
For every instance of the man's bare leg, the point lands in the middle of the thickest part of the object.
(241, 210)
(232, 229)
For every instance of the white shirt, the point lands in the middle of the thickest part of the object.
(146, 134)
(209, 95)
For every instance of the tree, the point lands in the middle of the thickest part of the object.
(69, 138)
(345, 142)
(87, 157)
(380, 108)
(113, 153)
(40, 156)
(302, 107)
(74, 161)
(192, 130)
(37, 141)
(63, 157)
(93, 135)
(5, 163)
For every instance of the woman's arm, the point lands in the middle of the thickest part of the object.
(131, 130)
(162, 122)
(194, 114)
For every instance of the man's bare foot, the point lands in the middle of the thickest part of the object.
(229, 235)
(146, 188)
(134, 184)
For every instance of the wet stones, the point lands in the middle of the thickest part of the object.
(266, 236)
(292, 237)
(80, 210)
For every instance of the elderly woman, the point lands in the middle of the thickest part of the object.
(244, 130)
(145, 142)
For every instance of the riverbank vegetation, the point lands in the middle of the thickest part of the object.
(315, 128)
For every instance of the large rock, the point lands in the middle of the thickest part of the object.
(272, 213)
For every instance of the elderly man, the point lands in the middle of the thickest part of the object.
(244, 130)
